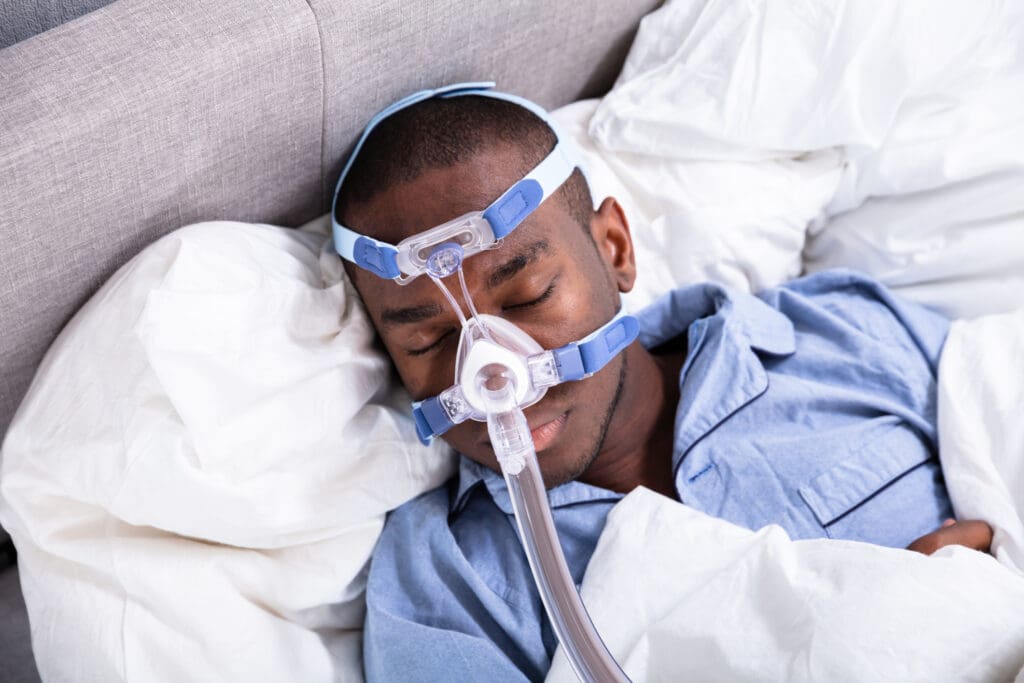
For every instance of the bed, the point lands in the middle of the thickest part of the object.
(165, 532)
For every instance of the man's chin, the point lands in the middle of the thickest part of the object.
(557, 471)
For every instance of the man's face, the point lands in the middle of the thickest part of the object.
(549, 277)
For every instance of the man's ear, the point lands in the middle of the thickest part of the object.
(610, 230)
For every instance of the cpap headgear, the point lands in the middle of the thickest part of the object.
(486, 341)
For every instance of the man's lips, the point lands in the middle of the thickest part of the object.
(546, 433)
(543, 430)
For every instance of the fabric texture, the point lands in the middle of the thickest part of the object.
(737, 223)
(678, 595)
(926, 130)
(811, 407)
(15, 641)
(20, 20)
(982, 435)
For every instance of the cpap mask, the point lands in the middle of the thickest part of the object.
(499, 368)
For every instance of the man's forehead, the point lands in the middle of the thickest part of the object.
(537, 238)
(438, 194)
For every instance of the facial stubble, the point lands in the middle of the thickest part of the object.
(585, 463)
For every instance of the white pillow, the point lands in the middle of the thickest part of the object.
(922, 102)
(200, 470)
(718, 79)
(937, 212)
(741, 224)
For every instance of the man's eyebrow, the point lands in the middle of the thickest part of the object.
(409, 314)
(510, 268)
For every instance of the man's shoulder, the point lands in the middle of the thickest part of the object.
(430, 554)
(843, 282)
(414, 543)
(434, 527)
(435, 597)
(841, 294)
(842, 302)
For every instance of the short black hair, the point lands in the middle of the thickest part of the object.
(443, 132)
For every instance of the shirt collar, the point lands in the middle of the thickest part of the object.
(722, 371)
(760, 325)
(733, 320)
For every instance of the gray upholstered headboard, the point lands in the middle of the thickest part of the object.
(145, 115)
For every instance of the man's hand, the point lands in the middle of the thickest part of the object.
(972, 533)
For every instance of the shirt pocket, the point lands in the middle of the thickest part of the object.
(888, 491)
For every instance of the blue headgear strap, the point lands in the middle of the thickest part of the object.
(503, 215)
(575, 361)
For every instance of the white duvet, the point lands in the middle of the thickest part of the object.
(678, 595)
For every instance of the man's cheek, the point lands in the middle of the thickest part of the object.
(422, 379)
(468, 438)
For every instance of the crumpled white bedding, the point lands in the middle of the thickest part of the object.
(738, 223)
(678, 595)
(202, 466)
(981, 433)
(921, 101)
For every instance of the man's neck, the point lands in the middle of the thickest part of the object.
(637, 449)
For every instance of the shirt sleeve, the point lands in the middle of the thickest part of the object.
(431, 616)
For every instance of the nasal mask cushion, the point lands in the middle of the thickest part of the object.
(489, 340)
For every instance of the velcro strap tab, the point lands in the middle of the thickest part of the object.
(511, 208)
(569, 363)
(608, 342)
(377, 258)
(431, 419)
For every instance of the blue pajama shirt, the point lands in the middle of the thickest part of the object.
(811, 405)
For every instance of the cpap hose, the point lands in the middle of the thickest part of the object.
(513, 446)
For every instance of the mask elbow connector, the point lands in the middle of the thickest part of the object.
(506, 423)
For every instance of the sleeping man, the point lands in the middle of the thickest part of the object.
(811, 406)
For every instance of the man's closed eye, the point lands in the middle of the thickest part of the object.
(534, 302)
(436, 344)
(440, 341)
